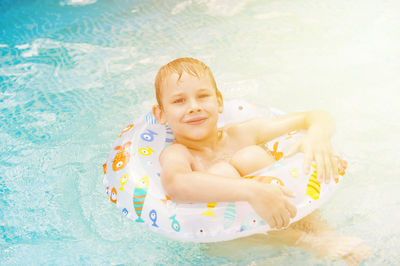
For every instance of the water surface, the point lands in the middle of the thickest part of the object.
(74, 73)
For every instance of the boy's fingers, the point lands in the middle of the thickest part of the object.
(285, 219)
(320, 168)
(278, 220)
(328, 169)
(271, 221)
(335, 166)
(291, 208)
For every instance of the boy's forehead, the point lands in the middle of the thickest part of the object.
(174, 81)
(170, 84)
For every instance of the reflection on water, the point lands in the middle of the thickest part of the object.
(73, 73)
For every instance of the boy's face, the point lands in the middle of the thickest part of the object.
(190, 106)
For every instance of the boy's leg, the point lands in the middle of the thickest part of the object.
(251, 159)
(223, 169)
(314, 234)
(313, 223)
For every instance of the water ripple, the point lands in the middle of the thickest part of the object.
(72, 75)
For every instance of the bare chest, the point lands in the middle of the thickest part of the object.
(202, 162)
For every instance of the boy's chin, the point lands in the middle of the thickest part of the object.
(198, 135)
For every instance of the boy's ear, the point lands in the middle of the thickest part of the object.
(159, 114)
(220, 102)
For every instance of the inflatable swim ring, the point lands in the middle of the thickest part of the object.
(132, 180)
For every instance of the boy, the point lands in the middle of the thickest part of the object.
(205, 163)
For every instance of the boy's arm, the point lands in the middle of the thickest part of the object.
(186, 186)
(316, 145)
(270, 128)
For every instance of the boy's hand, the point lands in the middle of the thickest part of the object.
(271, 204)
(317, 147)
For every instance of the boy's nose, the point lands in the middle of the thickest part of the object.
(194, 106)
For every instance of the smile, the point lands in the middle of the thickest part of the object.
(196, 121)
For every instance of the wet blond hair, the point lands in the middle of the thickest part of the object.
(189, 65)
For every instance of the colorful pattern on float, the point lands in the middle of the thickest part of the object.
(132, 180)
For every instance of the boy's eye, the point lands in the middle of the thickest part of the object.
(204, 95)
(180, 100)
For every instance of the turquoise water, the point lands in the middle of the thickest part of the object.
(74, 73)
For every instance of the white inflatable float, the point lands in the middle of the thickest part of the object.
(132, 180)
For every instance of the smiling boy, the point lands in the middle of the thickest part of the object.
(205, 163)
(202, 163)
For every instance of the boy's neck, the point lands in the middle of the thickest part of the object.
(209, 144)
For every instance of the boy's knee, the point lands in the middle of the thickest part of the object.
(224, 169)
(251, 159)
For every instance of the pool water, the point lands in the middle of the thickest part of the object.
(73, 73)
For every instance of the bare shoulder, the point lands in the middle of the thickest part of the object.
(174, 155)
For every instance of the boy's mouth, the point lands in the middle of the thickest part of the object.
(196, 120)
